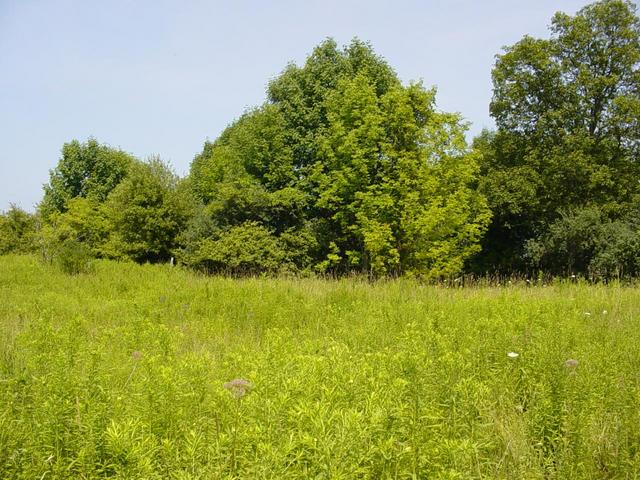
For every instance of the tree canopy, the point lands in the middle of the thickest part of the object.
(348, 166)
(567, 111)
(346, 169)
(87, 170)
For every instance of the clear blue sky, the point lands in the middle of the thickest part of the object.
(160, 77)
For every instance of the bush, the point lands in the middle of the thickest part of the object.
(249, 248)
(73, 257)
(17, 231)
(586, 241)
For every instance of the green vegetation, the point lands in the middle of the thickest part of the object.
(112, 369)
(567, 139)
(347, 166)
(346, 170)
(87, 170)
(121, 373)
(17, 231)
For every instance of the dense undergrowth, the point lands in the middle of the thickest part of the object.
(121, 373)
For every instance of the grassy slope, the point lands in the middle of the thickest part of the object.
(351, 380)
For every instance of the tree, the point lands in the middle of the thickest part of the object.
(86, 170)
(84, 222)
(567, 111)
(146, 211)
(347, 170)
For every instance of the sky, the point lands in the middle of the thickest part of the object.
(156, 77)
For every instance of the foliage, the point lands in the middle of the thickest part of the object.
(146, 211)
(122, 374)
(567, 112)
(248, 248)
(87, 170)
(586, 241)
(72, 256)
(344, 169)
(360, 168)
(17, 231)
(85, 221)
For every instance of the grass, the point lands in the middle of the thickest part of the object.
(121, 373)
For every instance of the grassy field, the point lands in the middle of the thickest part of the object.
(121, 373)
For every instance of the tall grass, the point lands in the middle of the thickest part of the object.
(121, 373)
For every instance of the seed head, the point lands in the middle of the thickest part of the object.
(136, 355)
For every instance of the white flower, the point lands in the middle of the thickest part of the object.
(513, 355)
(604, 312)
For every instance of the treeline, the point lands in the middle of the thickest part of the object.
(345, 169)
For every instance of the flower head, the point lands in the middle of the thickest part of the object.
(238, 387)
(136, 355)
(571, 363)
(513, 355)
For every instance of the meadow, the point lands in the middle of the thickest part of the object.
(128, 372)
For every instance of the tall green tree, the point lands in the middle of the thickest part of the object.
(87, 170)
(343, 168)
(567, 111)
(146, 212)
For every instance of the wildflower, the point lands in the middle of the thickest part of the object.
(136, 355)
(571, 364)
(238, 387)
(513, 355)
(604, 312)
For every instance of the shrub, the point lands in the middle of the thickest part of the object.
(585, 241)
(17, 231)
(249, 248)
(73, 257)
